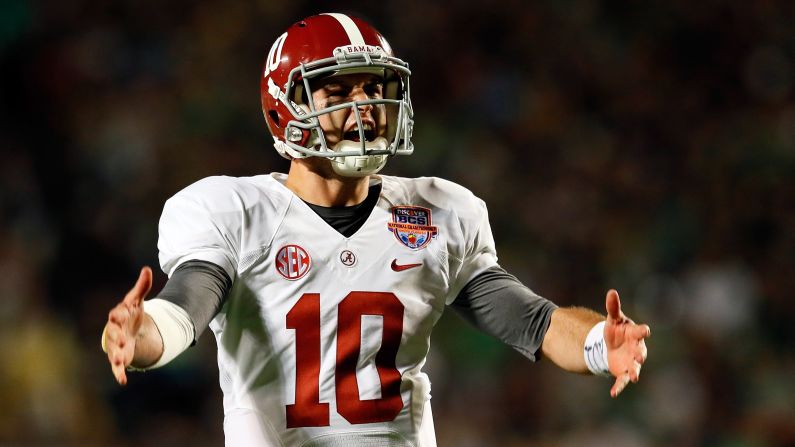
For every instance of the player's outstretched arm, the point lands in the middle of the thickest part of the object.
(565, 340)
(130, 337)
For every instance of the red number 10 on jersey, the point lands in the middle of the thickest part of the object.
(304, 317)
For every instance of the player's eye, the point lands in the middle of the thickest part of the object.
(336, 95)
(334, 91)
(374, 89)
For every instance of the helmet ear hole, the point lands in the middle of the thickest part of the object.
(392, 85)
(275, 117)
(299, 94)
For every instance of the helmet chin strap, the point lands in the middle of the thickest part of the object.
(359, 165)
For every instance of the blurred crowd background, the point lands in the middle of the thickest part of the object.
(644, 146)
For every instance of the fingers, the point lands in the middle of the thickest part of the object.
(141, 288)
(116, 331)
(613, 305)
(632, 375)
(618, 387)
(117, 351)
(641, 353)
(640, 331)
(119, 315)
(117, 366)
(117, 342)
(628, 340)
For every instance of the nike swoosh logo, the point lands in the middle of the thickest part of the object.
(399, 268)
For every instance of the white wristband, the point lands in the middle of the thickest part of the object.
(175, 326)
(595, 351)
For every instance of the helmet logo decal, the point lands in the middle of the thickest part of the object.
(275, 55)
(412, 226)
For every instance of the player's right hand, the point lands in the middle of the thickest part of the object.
(124, 323)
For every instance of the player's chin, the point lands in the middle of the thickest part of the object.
(318, 165)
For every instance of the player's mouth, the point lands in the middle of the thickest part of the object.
(354, 135)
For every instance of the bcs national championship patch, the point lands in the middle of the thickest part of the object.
(412, 226)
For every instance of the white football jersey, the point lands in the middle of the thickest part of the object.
(322, 338)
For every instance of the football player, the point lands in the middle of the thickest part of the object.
(322, 286)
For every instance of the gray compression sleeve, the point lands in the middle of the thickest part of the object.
(200, 288)
(498, 304)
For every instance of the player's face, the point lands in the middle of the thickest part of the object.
(341, 124)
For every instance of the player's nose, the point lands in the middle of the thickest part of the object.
(360, 95)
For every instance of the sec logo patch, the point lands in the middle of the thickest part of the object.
(292, 262)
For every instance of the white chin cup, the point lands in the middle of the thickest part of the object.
(359, 165)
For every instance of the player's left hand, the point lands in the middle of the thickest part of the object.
(626, 348)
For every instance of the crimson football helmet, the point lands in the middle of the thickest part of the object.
(327, 45)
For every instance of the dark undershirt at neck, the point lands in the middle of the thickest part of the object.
(347, 219)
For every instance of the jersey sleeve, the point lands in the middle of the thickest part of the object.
(498, 304)
(197, 224)
(476, 251)
(199, 288)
